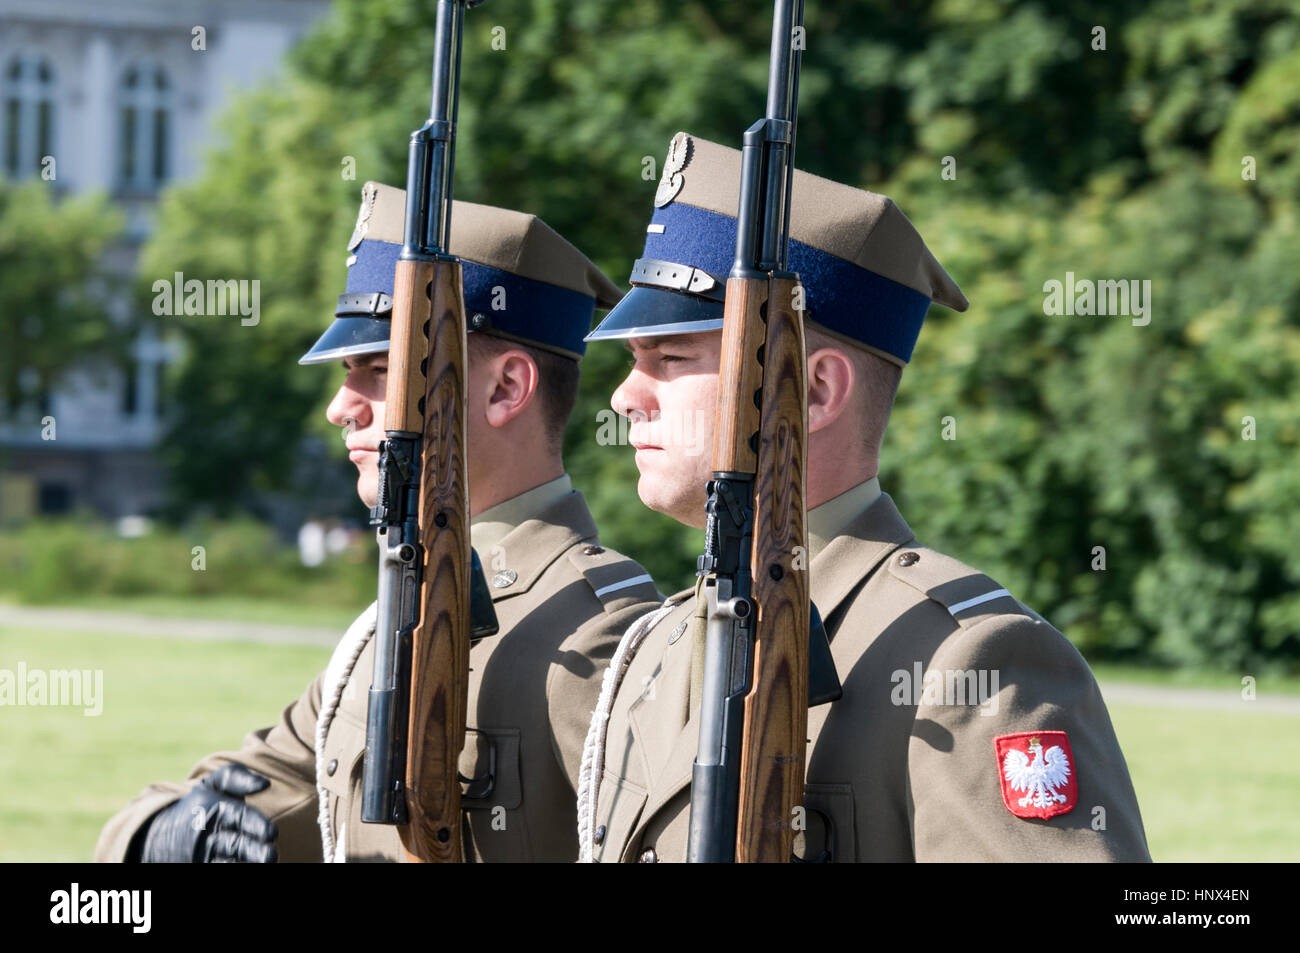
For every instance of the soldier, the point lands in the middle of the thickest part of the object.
(562, 601)
(969, 728)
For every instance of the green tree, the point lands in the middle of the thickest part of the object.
(1111, 140)
(1173, 445)
(271, 207)
(53, 284)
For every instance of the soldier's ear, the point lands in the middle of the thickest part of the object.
(831, 380)
(515, 380)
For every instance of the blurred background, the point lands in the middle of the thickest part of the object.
(176, 512)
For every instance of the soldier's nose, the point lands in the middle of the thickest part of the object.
(630, 401)
(346, 406)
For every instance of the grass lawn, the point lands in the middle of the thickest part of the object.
(1266, 685)
(1213, 785)
(165, 705)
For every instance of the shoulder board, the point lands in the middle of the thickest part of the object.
(967, 594)
(616, 580)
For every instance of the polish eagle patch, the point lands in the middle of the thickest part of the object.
(1037, 772)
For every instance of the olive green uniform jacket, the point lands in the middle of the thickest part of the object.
(893, 773)
(562, 602)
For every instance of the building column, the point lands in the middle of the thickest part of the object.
(96, 140)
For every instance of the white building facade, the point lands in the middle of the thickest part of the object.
(117, 97)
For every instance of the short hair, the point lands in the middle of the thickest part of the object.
(557, 386)
(875, 384)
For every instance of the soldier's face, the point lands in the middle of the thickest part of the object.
(358, 408)
(670, 397)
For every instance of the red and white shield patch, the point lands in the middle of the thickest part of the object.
(1038, 774)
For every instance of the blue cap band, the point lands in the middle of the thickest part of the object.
(374, 268)
(533, 310)
(839, 295)
(530, 310)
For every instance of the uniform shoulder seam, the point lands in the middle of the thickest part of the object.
(613, 577)
(967, 594)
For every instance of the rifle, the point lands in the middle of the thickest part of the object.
(748, 775)
(433, 600)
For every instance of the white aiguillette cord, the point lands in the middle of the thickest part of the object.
(337, 675)
(593, 750)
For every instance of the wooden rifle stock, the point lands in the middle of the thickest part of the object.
(762, 391)
(776, 709)
(426, 394)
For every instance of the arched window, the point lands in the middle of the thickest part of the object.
(28, 125)
(145, 133)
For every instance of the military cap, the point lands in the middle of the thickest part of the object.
(522, 280)
(867, 274)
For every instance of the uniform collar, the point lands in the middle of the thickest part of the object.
(496, 523)
(856, 551)
(514, 563)
(825, 522)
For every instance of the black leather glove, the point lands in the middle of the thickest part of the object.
(213, 825)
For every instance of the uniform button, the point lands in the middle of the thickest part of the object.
(599, 838)
(332, 767)
(592, 550)
(908, 558)
(676, 633)
(504, 578)
(648, 856)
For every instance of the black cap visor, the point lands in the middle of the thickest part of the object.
(347, 337)
(650, 312)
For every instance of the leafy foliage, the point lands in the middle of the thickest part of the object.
(52, 285)
(76, 558)
(1128, 161)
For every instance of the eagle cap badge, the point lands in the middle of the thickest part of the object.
(671, 182)
(369, 193)
(1037, 773)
